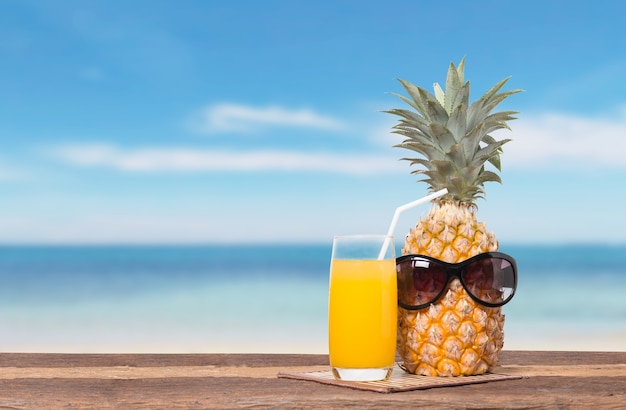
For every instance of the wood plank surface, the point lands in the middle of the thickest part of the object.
(196, 381)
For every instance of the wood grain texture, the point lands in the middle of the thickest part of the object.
(170, 381)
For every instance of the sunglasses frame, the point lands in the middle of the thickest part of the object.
(454, 270)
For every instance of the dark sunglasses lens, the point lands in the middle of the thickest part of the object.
(491, 280)
(420, 281)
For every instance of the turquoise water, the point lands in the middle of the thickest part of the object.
(267, 298)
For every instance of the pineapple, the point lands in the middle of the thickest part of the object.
(453, 336)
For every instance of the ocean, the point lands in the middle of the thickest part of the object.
(268, 298)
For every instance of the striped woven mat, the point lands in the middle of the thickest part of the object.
(399, 381)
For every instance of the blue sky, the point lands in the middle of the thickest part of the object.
(245, 121)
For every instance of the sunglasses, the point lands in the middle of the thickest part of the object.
(489, 278)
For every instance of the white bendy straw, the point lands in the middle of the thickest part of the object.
(399, 210)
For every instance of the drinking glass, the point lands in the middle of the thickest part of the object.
(362, 308)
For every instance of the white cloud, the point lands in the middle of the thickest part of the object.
(551, 140)
(565, 140)
(243, 118)
(192, 160)
(545, 141)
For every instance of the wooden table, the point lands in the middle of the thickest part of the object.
(47, 381)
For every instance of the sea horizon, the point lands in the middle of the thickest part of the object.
(257, 298)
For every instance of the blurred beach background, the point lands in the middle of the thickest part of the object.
(267, 298)
(172, 174)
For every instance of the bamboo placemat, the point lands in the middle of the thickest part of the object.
(399, 381)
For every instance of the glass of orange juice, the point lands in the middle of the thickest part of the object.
(362, 307)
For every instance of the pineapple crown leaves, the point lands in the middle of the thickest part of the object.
(452, 135)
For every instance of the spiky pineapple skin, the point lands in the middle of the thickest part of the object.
(454, 336)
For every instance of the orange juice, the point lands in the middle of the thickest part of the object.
(362, 313)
